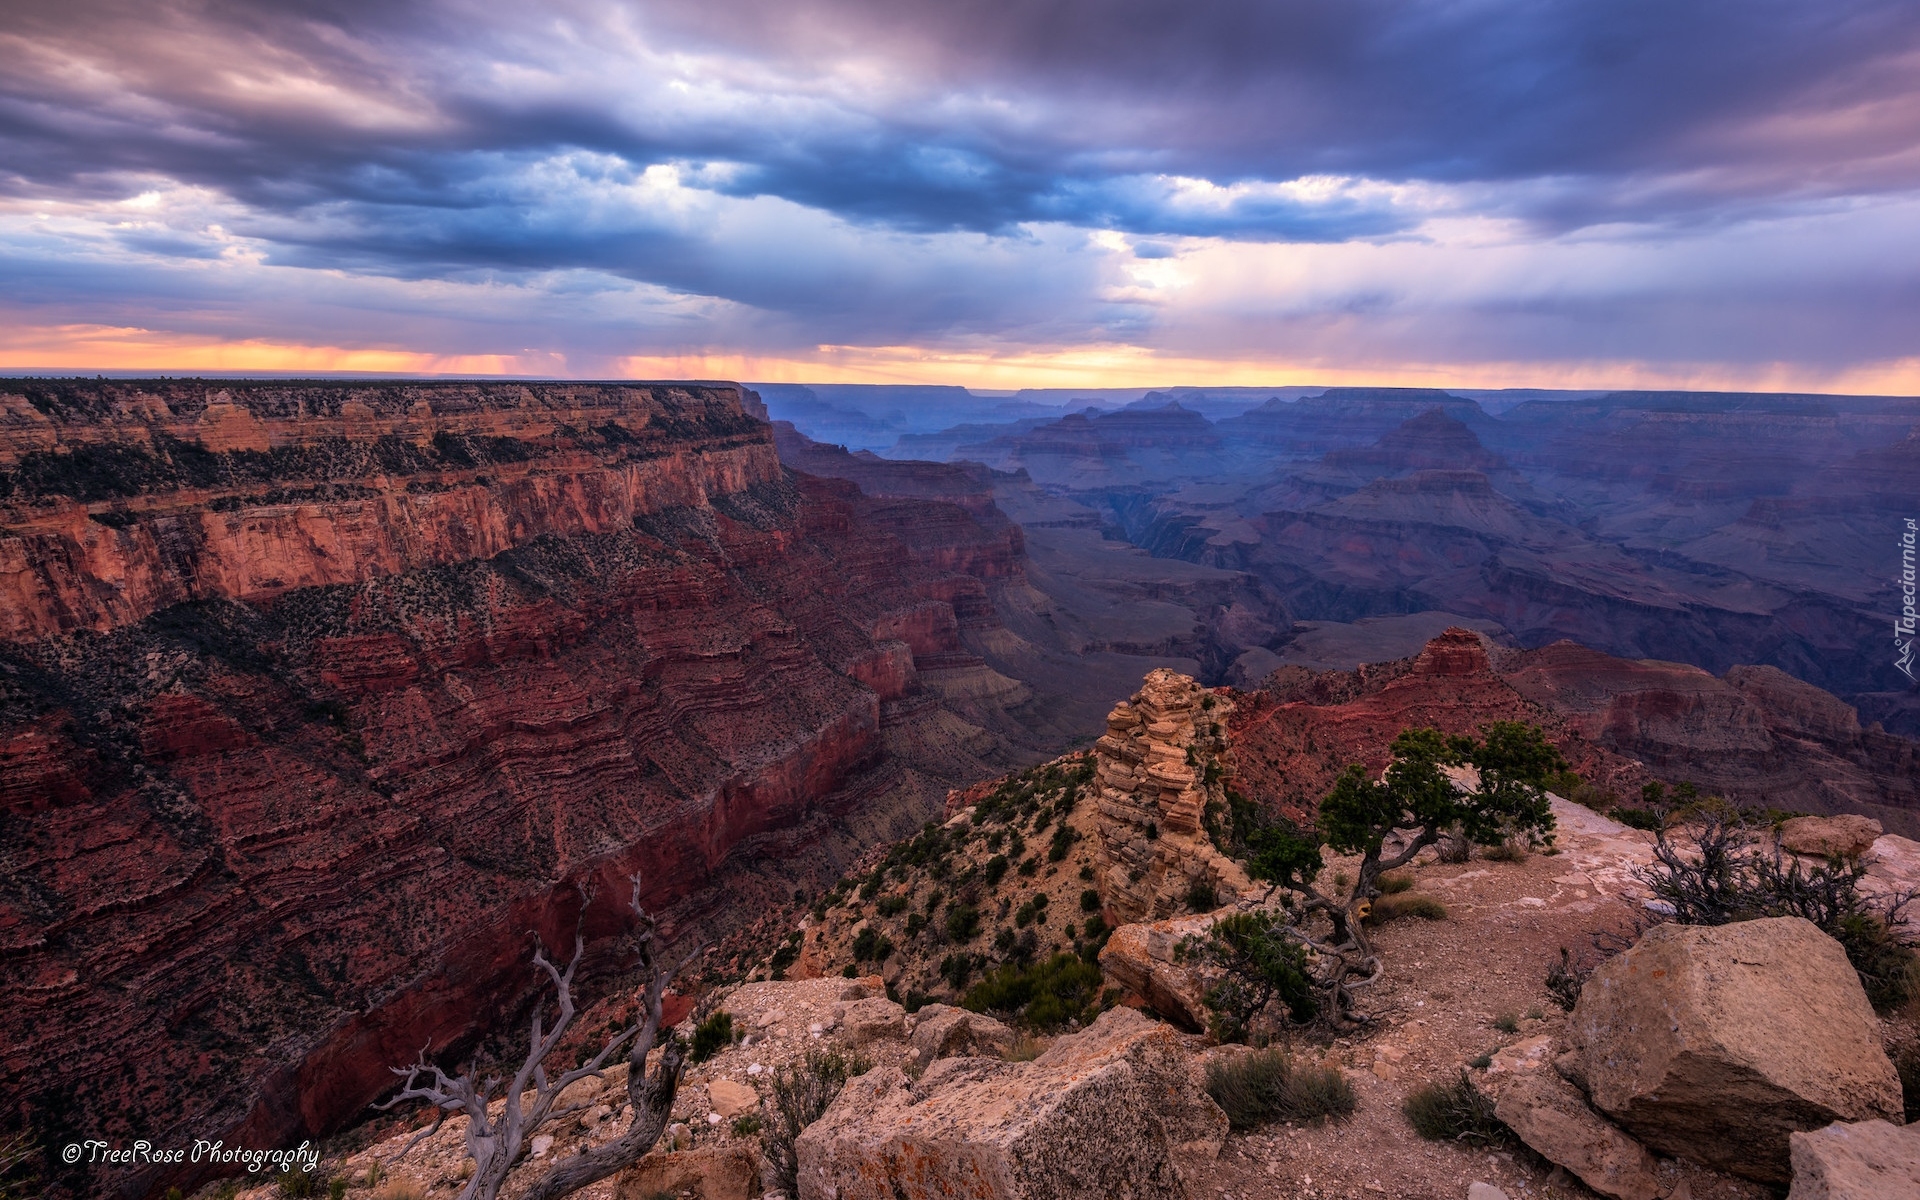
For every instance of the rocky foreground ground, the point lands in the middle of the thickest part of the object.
(1466, 989)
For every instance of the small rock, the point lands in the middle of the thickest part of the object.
(679, 1137)
(730, 1099)
(754, 1068)
(597, 1114)
(1527, 1054)
(541, 1144)
(1485, 1191)
(1862, 1160)
(1848, 836)
(713, 1118)
(710, 1173)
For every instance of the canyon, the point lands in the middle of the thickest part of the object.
(1713, 529)
(322, 703)
(315, 699)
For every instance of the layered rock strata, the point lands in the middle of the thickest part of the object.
(1753, 735)
(1156, 771)
(315, 699)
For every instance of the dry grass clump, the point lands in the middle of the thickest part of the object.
(1394, 883)
(1408, 904)
(1453, 1112)
(1268, 1085)
(401, 1189)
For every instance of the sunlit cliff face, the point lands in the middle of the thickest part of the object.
(1696, 193)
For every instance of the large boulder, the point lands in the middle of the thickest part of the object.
(1869, 1160)
(1847, 836)
(1112, 1111)
(1142, 959)
(1551, 1116)
(942, 1031)
(1718, 1043)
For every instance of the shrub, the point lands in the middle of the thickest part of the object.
(1202, 897)
(956, 969)
(746, 1124)
(1095, 925)
(1453, 1112)
(1907, 1063)
(1505, 852)
(712, 1035)
(1090, 901)
(1086, 873)
(1507, 1022)
(1267, 1085)
(337, 1188)
(1638, 818)
(401, 1189)
(1564, 982)
(798, 1095)
(996, 870)
(870, 945)
(1388, 908)
(1724, 879)
(891, 906)
(1395, 883)
(1063, 839)
(787, 953)
(1261, 964)
(297, 1184)
(963, 923)
(1043, 995)
(915, 923)
(1024, 1048)
(1029, 866)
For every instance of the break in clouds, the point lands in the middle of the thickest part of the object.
(1687, 182)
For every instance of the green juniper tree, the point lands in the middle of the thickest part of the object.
(1415, 803)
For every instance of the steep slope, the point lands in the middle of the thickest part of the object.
(1080, 617)
(317, 697)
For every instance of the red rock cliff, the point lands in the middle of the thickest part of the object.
(316, 698)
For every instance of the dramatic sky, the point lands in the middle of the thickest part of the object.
(992, 192)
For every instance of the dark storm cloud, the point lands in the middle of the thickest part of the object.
(985, 113)
(892, 172)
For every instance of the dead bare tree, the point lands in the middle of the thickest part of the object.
(496, 1142)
